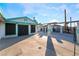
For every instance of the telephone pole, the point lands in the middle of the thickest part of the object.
(70, 25)
(65, 24)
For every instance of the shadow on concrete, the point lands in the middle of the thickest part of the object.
(63, 36)
(59, 39)
(6, 42)
(50, 51)
(41, 34)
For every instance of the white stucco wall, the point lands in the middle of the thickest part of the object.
(61, 29)
(2, 30)
(36, 28)
(18, 20)
(22, 20)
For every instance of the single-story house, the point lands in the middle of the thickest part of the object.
(17, 26)
(52, 27)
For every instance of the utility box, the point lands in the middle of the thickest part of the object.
(77, 32)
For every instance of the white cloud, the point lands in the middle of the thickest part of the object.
(53, 20)
(41, 9)
(63, 7)
(31, 8)
(44, 11)
(77, 5)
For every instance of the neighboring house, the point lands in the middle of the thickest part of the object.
(52, 28)
(17, 26)
(56, 28)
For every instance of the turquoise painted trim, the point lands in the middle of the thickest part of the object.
(10, 20)
(2, 17)
(20, 22)
(18, 18)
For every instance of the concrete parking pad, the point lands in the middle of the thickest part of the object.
(6, 42)
(41, 45)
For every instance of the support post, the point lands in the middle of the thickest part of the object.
(36, 28)
(61, 31)
(52, 28)
(29, 29)
(16, 29)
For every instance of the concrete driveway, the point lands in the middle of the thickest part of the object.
(42, 45)
(6, 42)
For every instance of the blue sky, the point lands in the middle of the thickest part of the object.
(44, 12)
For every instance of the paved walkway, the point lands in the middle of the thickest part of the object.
(42, 45)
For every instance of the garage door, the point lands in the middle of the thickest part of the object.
(10, 29)
(22, 30)
(32, 28)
